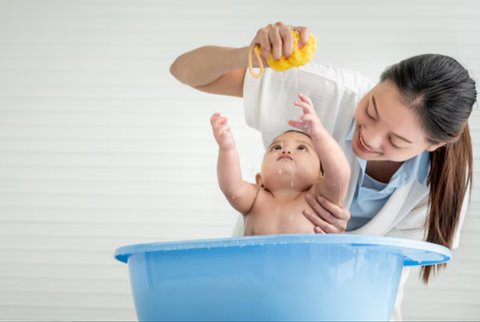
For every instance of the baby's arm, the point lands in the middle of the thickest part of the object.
(239, 193)
(336, 168)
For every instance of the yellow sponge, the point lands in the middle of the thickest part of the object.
(299, 57)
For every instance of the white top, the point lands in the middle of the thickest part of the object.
(371, 195)
(335, 94)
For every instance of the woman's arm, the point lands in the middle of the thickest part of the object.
(240, 194)
(217, 70)
(221, 70)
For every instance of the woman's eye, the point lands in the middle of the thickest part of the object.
(394, 146)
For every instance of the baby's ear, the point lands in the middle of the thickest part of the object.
(258, 180)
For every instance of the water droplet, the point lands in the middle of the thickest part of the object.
(295, 72)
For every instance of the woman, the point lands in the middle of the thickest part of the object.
(406, 138)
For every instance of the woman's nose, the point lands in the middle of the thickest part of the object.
(372, 139)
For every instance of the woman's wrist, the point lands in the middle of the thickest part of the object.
(240, 58)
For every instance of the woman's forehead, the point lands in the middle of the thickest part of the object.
(390, 109)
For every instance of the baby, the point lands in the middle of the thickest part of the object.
(291, 168)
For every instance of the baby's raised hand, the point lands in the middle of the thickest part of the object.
(309, 122)
(222, 132)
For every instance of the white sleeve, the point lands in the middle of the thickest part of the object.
(238, 230)
(251, 100)
(412, 226)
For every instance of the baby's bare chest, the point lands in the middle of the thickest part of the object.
(268, 216)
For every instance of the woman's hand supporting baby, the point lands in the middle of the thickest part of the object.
(328, 217)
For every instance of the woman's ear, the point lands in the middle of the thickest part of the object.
(258, 180)
(433, 147)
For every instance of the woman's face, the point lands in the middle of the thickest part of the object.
(386, 129)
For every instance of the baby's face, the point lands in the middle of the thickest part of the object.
(291, 159)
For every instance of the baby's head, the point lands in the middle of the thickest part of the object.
(290, 161)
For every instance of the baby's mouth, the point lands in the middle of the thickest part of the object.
(285, 157)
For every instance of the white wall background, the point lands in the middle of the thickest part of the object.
(101, 147)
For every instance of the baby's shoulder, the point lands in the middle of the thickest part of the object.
(264, 200)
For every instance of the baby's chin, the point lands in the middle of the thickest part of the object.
(281, 172)
(289, 169)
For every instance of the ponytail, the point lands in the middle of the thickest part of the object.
(449, 179)
(442, 93)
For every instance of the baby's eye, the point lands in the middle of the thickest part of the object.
(276, 147)
(302, 147)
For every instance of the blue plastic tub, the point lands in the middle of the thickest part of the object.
(272, 278)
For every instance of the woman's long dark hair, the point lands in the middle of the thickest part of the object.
(442, 94)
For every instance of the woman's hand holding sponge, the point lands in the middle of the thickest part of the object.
(282, 47)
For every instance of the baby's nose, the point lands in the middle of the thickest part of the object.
(286, 151)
